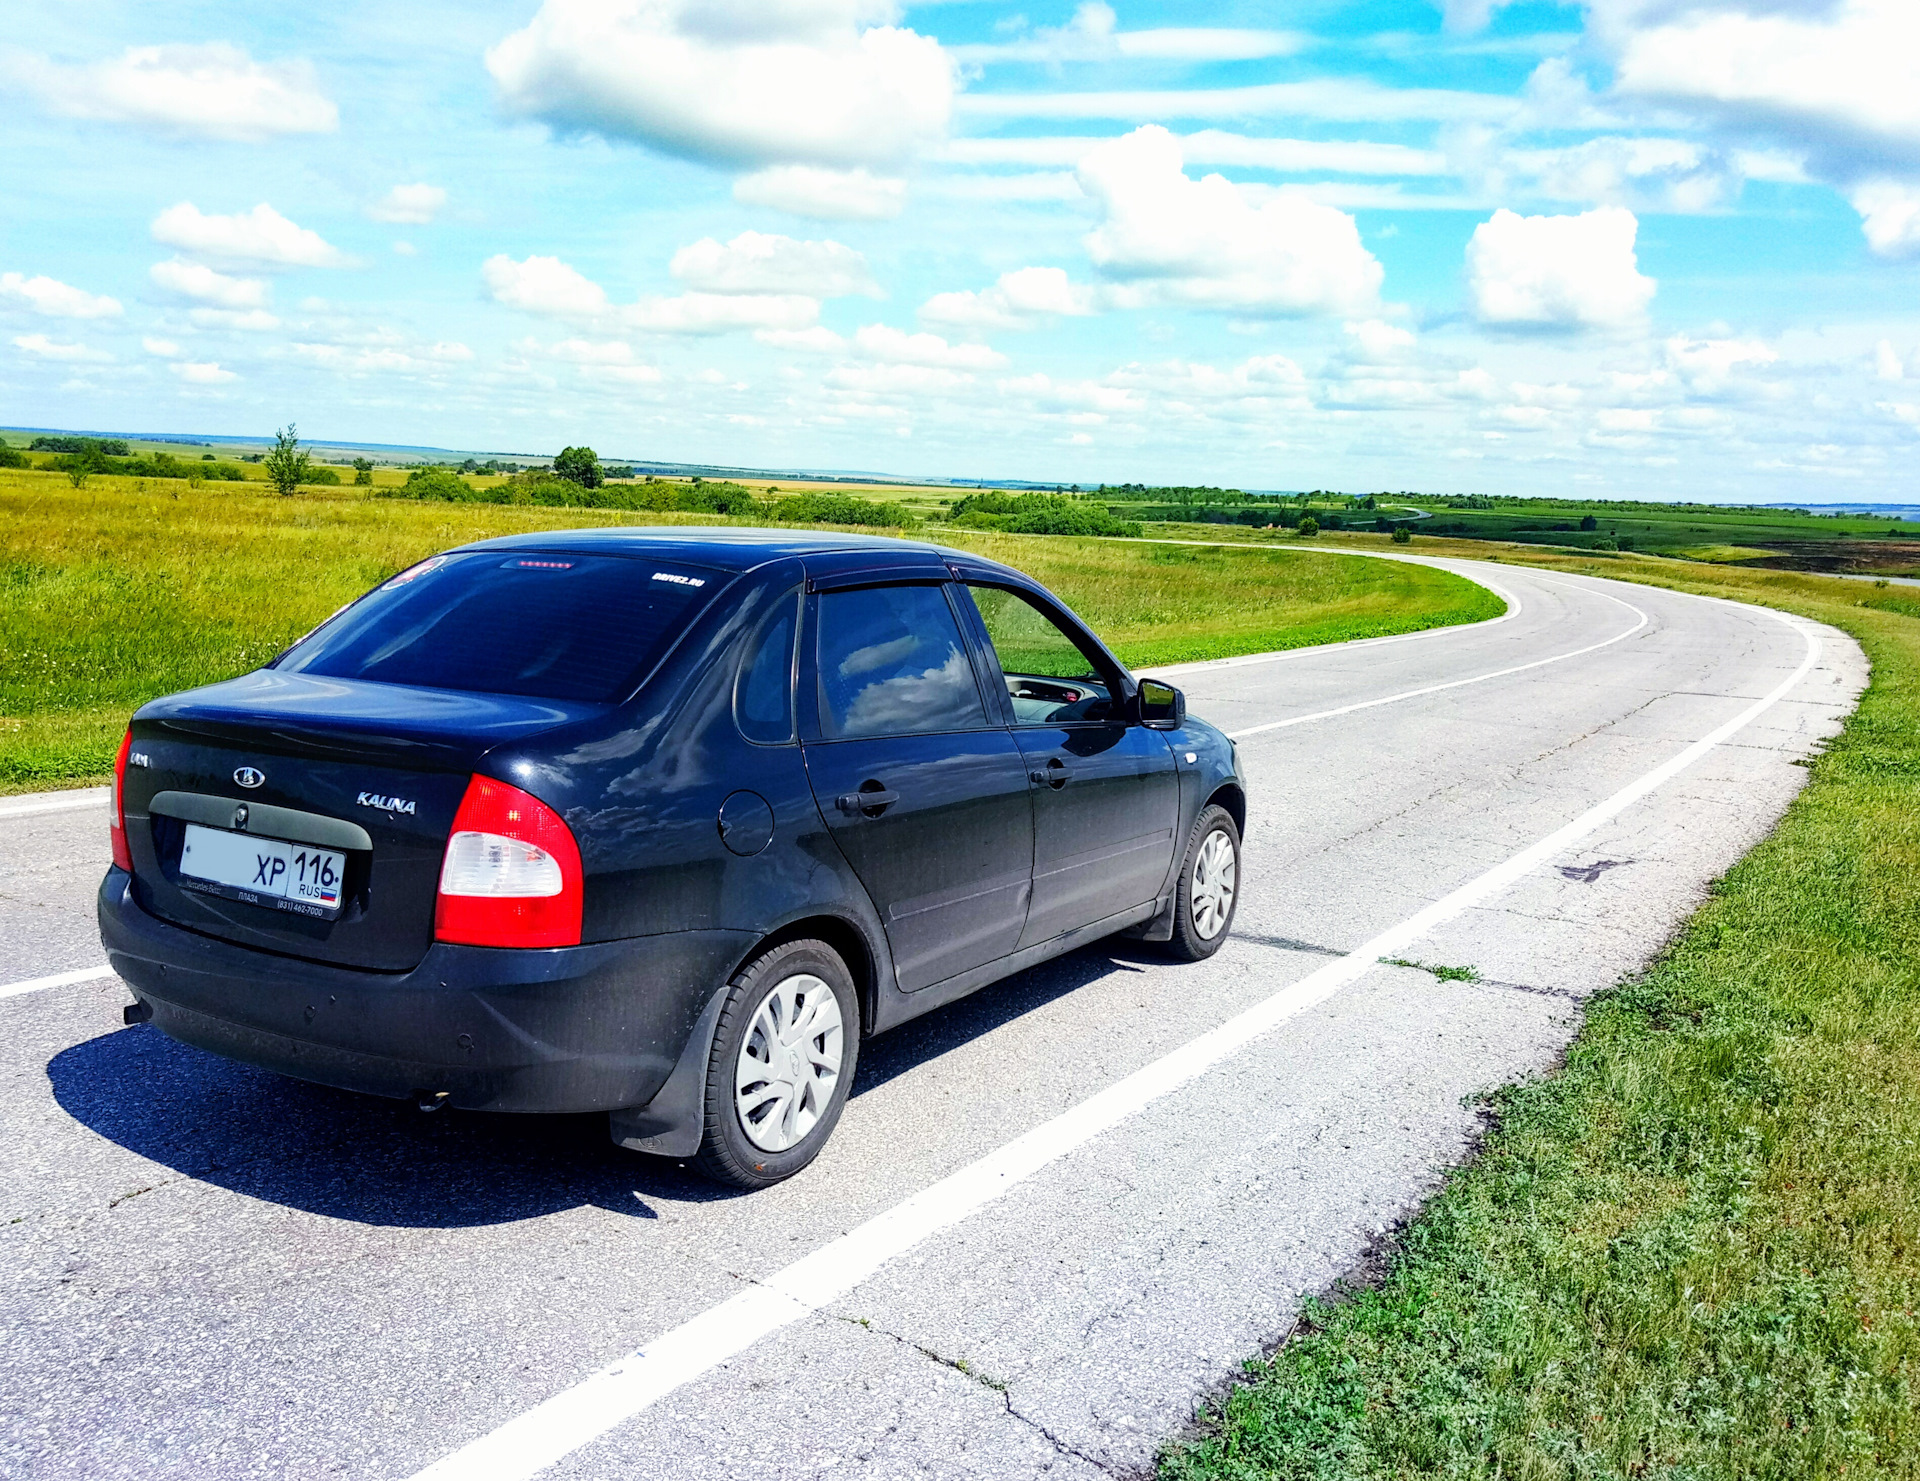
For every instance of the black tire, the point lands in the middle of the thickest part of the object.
(728, 1153)
(1190, 941)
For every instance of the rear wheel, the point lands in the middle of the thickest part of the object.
(783, 1058)
(1209, 886)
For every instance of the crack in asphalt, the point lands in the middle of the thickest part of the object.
(986, 1381)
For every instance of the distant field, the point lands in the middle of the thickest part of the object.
(111, 594)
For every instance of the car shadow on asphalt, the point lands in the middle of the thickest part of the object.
(383, 1162)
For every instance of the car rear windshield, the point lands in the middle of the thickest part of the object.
(548, 626)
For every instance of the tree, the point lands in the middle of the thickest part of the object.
(288, 465)
(363, 472)
(1588, 522)
(581, 465)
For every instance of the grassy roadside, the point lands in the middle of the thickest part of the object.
(112, 594)
(1694, 1251)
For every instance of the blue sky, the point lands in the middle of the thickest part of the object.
(1628, 248)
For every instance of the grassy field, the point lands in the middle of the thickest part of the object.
(1695, 1251)
(111, 594)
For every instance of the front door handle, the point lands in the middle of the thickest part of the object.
(1055, 774)
(866, 803)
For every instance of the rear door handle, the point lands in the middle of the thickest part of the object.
(858, 803)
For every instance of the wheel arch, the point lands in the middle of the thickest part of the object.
(1230, 796)
(844, 937)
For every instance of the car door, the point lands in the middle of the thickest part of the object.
(919, 780)
(1106, 796)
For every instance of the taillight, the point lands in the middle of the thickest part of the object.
(117, 808)
(511, 875)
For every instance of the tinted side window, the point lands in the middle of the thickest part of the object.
(892, 663)
(1049, 679)
(763, 702)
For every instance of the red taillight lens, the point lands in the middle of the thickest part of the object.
(117, 808)
(511, 873)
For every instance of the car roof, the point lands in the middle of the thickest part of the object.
(735, 548)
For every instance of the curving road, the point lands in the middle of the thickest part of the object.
(1055, 1216)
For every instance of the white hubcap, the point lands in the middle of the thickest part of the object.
(789, 1063)
(1213, 882)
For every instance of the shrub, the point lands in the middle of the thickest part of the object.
(1402, 535)
(327, 476)
(841, 509)
(1038, 514)
(1604, 544)
(442, 483)
(1588, 522)
(1309, 526)
(106, 447)
(363, 473)
(12, 457)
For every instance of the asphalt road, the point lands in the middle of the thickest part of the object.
(1055, 1215)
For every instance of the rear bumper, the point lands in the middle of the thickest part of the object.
(580, 1028)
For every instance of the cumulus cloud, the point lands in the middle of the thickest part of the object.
(214, 91)
(202, 372)
(1022, 299)
(251, 320)
(551, 288)
(897, 347)
(409, 205)
(42, 348)
(823, 194)
(1839, 74)
(204, 285)
(1558, 272)
(734, 82)
(755, 262)
(261, 237)
(819, 340)
(166, 349)
(57, 300)
(543, 285)
(1889, 216)
(1643, 172)
(1165, 237)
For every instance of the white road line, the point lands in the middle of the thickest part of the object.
(547, 1433)
(1519, 668)
(58, 979)
(92, 797)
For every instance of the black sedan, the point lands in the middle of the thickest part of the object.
(658, 822)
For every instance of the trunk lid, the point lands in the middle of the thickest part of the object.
(366, 774)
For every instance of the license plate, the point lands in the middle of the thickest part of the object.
(263, 871)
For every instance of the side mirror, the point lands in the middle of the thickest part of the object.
(1159, 706)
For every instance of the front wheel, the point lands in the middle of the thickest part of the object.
(783, 1057)
(1209, 886)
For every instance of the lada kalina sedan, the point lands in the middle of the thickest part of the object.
(655, 822)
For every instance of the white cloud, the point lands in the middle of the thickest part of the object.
(166, 349)
(1022, 299)
(57, 300)
(202, 372)
(1166, 237)
(1887, 363)
(405, 249)
(543, 285)
(1709, 362)
(201, 283)
(1215, 147)
(818, 340)
(755, 262)
(897, 347)
(1647, 172)
(261, 237)
(732, 81)
(1093, 35)
(215, 91)
(409, 205)
(1841, 74)
(1567, 272)
(823, 194)
(1889, 216)
(42, 348)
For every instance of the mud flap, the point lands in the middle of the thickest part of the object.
(674, 1121)
(1158, 926)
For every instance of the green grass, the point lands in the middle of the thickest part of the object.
(115, 593)
(1693, 1252)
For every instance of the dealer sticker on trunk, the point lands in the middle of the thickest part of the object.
(263, 871)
